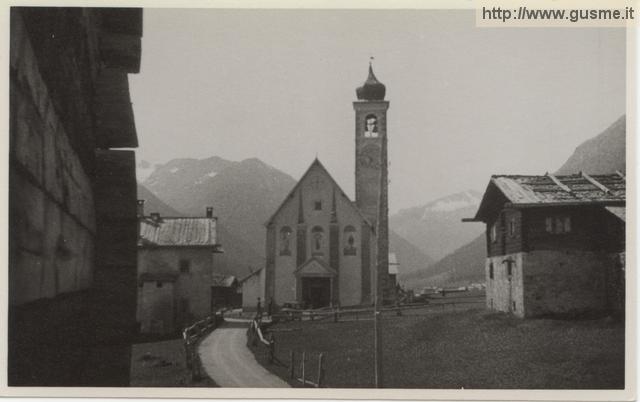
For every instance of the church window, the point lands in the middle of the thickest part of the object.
(512, 227)
(317, 234)
(490, 270)
(285, 240)
(371, 126)
(349, 240)
(317, 205)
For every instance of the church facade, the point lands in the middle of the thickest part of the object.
(323, 249)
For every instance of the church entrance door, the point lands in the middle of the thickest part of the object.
(316, 292)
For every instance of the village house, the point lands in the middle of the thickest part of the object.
(176, 280)
(72, 195)
(555, 244)
(252, 287)
(323, 249)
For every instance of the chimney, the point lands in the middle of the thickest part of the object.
(209, 212)
(140, 208)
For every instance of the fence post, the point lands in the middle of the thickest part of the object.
(272, 348)
(320, 370)
(291, 370)
(304, 381)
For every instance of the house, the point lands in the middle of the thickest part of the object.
(72, 195)
(555, 244)
(225, 292)
(252, 289)
(323, 249)
(176, 280)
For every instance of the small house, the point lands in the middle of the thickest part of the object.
(176, 281)
(252, 289)
(555, 244)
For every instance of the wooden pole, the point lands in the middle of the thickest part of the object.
(291, 362)
(304, 381)
(320, 370)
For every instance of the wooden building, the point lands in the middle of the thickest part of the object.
(176, 279)
(555, 244)
(72, 194)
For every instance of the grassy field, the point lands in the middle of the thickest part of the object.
(162, 364)
(473, 348)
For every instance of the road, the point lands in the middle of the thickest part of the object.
(227, 360)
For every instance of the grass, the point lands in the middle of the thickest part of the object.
(473, 348)
(162, 364)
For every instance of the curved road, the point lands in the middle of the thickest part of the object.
(227, 360)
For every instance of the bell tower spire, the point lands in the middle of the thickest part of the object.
(372, 176)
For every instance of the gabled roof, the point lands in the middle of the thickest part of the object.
(317, 163)
(550, 190)
(256, 272)
(226, 281)
(179, 232)
(315, 266)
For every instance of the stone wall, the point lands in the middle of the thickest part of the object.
(564, 282)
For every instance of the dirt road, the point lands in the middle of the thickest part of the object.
(227, 360)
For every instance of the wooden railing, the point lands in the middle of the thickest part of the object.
(367, 312)
(192, 335)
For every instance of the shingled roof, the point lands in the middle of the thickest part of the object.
(183, 232)
(550, 190)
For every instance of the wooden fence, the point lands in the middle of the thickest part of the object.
(192, 336)
(255, 337)
(435, 304)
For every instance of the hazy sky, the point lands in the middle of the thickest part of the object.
(466, 102)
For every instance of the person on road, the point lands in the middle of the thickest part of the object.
(259, 309)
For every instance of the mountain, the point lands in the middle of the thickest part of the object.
(410, 257)
(465, 265)
(154, 204)
(436, 228)
(605, 153)
(243, 194)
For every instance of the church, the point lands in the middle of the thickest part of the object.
(324, 249)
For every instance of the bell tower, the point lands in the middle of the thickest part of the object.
(371, 168)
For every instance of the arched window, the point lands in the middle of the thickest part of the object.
(285, 240)
(349, 240)
(371, 126)
(317, 236)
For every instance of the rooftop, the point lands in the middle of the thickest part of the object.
(183, 232)
(550, 190)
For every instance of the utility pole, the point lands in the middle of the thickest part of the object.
(382, 261)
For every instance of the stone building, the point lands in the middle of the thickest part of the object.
(72, 218)
(555, 244)
(323, 249)
(176, 276)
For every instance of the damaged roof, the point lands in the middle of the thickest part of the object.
(550, 190)
(184, 232)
